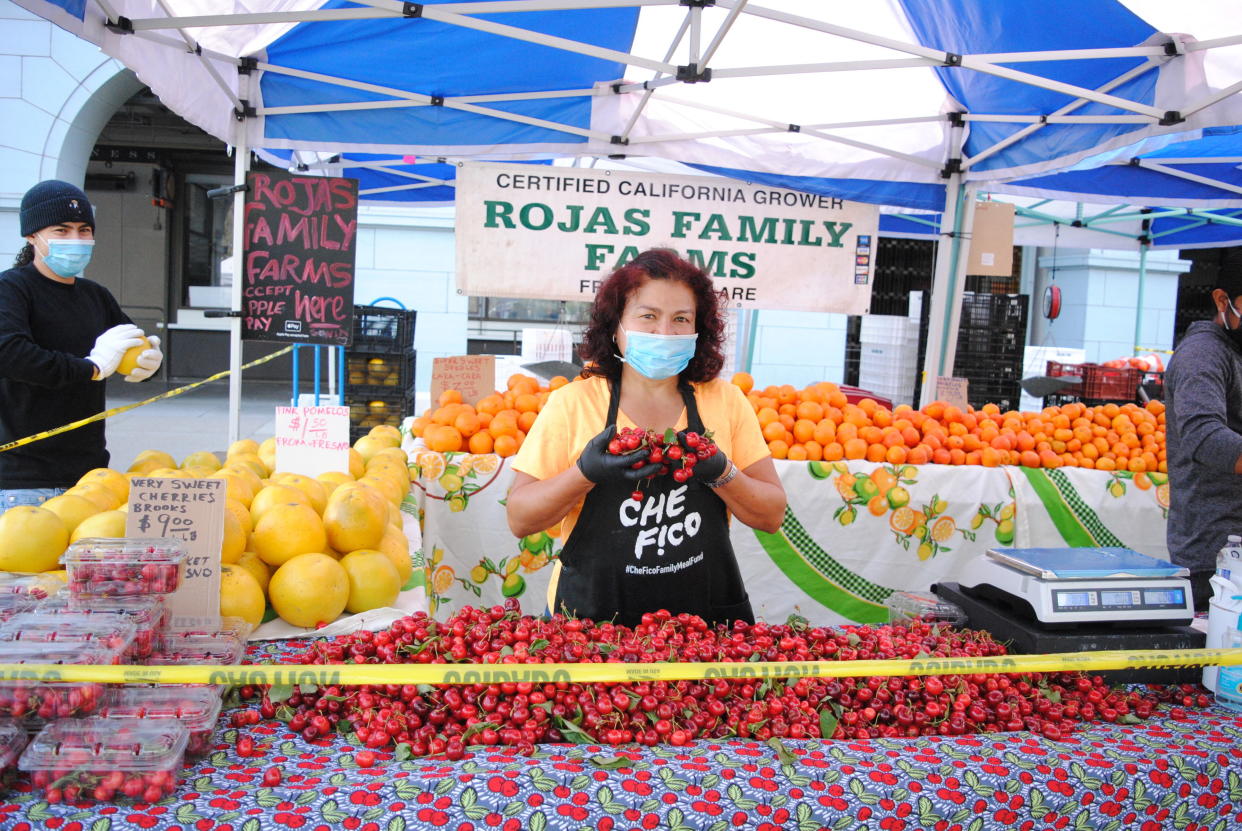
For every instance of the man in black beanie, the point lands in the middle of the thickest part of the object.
(61, 335)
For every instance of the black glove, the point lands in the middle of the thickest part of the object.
(600, 466)
(709, 469)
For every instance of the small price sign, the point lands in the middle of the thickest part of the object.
(192, 512)
(312, 440)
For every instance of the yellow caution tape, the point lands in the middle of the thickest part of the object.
(1153, 349)
(126, 408)
(355, 674)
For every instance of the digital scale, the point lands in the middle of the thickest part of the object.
(1049, 600)
(1058, 587)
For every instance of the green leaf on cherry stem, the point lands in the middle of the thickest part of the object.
(611, 762)
(279, 692)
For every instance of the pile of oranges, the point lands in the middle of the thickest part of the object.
(818, 423)
(497, 423)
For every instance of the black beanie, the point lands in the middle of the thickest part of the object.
(52, 203)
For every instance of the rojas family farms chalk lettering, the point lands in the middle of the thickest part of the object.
(298, 276)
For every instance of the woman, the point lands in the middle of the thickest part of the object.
(653, 351)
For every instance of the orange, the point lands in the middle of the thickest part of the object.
(825, 431)
(449, 396)
(833, 452)
(804, 430)
(505, 445)
(503, 424)
(481, 442)
(526, 403)
(896, 455)
(810, 410)
(855, 448)
(445, 440)
(796, 453)
(743, 381)
(766, 416)
(467, 423)
(557, 381)
(778, 448)
(774, 431)
(526, 421)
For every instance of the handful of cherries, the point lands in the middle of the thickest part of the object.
(676, 453)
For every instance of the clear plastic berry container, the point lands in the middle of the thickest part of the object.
(12, 740)
(106, 759)
(124, 566)
(15, 604)
(62, 628)
(904, 607)
(36, 586)
(35, 700)
(147, 612)
(200, 650)
(225, 628)
(197, 708)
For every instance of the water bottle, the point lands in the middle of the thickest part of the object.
(1229, 679)
(1229, 561)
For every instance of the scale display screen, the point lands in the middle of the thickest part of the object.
(1111, 600)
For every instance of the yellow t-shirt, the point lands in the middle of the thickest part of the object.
(575, 414)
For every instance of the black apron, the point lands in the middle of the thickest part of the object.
(670, 551)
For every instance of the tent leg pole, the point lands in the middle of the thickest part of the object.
(1138, 310)
(241, 166)
(938, 313)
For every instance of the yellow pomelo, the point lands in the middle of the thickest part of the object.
(274, 495)
(373, 580)
(114, 480)
(386, 432)
(396, 547)
(267, 453)
(129, 361)
(313, 488)
(385, 485)
(234, 542)
(201, 458)
(287, 530)
(169, 473)
(354, 520)
(31, 539)
(241, 512)
(251, 462)
(252, 563)
(102, 524)
(393, 454)
(237, 485)
(395, 517)
(309, 590)
(368, 446)
(333, 479)
(143, 467)
(59, 574)
(164, 459)
(242, 446)
(357, 466)
(398, 473)
(71, 509)
(198, 471)
(241, 595)
(101, 495)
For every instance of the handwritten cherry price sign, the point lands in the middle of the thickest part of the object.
(192, 512)
(300, 248)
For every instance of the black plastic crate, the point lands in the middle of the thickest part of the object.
(377, 406)
(380, 328)
(372, 372)
(994, 311)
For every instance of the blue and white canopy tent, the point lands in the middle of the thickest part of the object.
(914, 103)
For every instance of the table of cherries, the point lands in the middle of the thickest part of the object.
(80, 741)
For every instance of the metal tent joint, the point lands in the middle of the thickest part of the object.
(121, 26)
(696, 4)
(246, 110)
(1078, 223)
(1171, 117)
(952, 59)
(691, 74)
(247, 65)
(411, 9)
(621, 140)
(437, 100)
(795, 128)
(951, 166)
(956, 119)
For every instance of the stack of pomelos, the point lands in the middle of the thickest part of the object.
(312, 547)
(497, 423)
(818, 423)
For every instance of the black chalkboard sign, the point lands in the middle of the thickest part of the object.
(301, 234)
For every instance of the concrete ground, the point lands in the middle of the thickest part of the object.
(183, 424)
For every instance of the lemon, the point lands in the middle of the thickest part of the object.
(309, 589)
(31, 539)
(373, 580)
(240, 595)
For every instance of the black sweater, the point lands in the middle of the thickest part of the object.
(46, 330)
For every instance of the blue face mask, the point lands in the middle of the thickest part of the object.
(659, 356)
(67, 257)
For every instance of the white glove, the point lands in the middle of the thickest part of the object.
(148, 361)
(110, 347)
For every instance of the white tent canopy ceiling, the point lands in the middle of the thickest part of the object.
(911, 103)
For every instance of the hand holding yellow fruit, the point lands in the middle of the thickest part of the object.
(129, 361)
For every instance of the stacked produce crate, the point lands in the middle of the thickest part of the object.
(95, 742)
(379, 383)
(991, 342)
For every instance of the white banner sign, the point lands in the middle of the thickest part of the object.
(556, 233)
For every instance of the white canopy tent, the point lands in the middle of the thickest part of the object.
(914, 103)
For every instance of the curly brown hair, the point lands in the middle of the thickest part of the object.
(598, 351)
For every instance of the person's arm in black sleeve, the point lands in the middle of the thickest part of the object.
(24, 360)
(1201, 412)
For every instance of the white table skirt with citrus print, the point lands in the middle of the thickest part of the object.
(854, 532)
